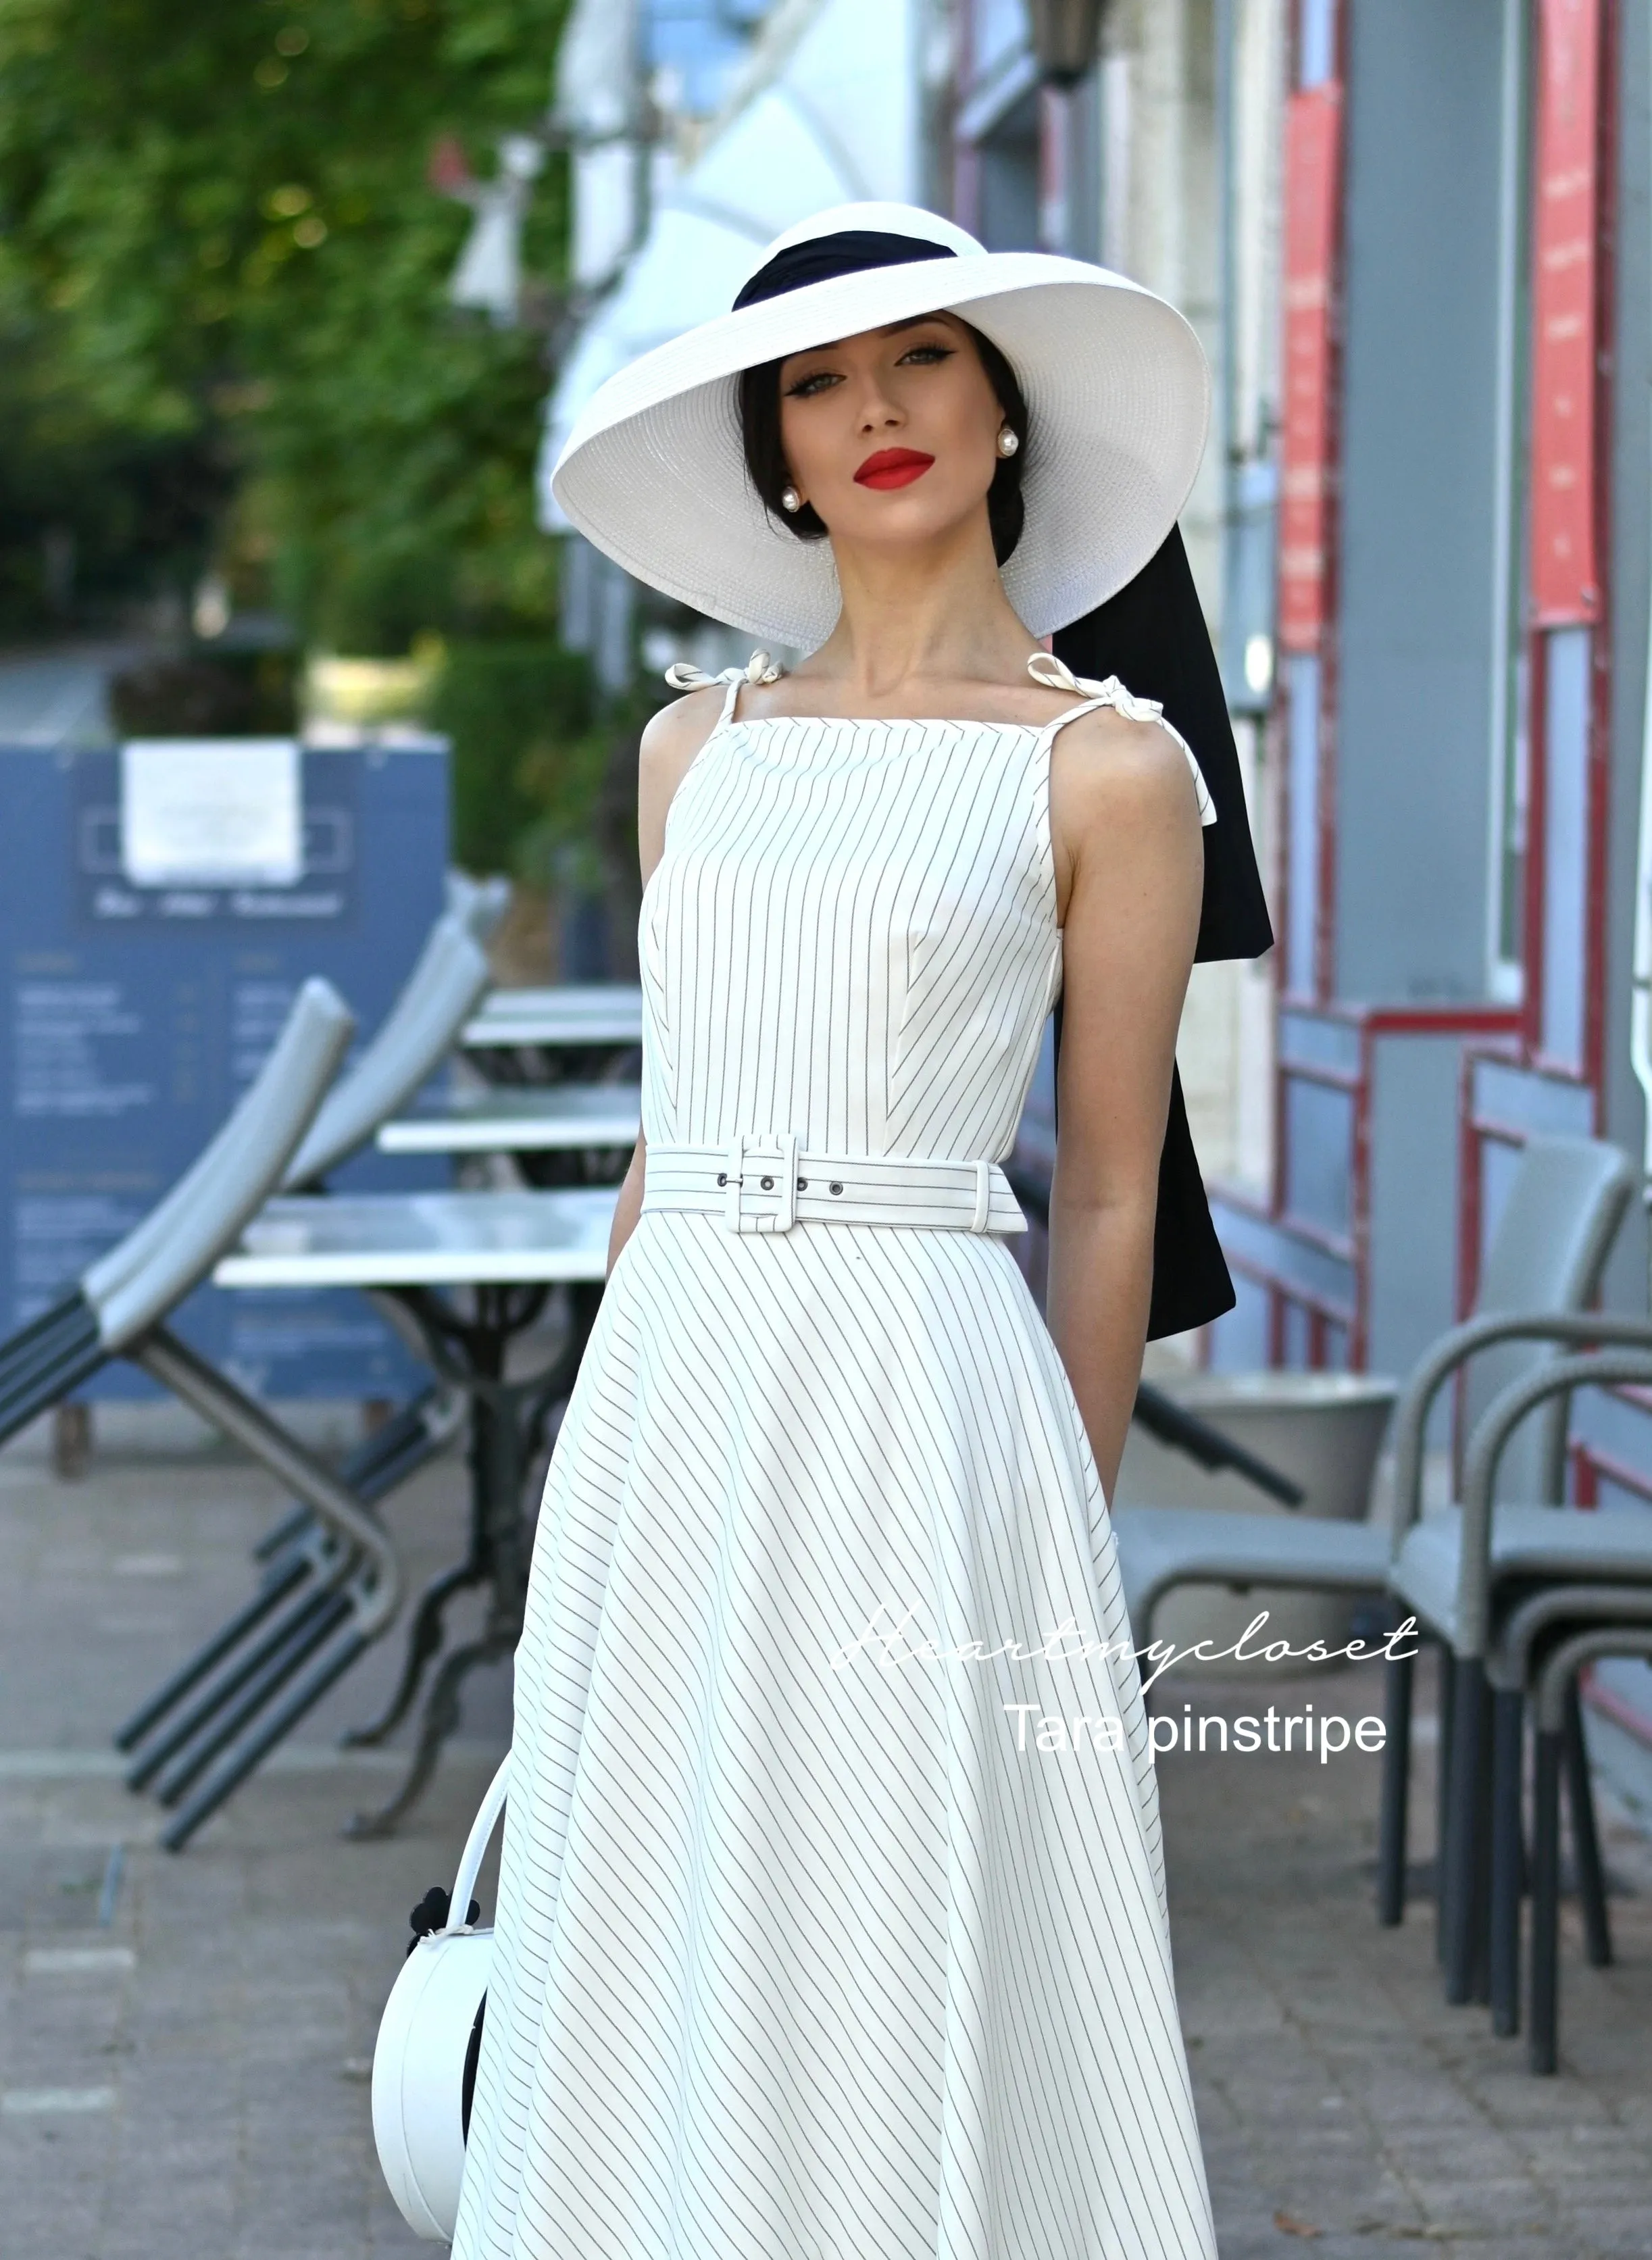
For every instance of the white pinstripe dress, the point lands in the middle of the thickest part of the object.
(796, 1959)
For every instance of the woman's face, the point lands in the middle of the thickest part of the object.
(892, 434)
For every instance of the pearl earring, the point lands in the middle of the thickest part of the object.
(1007, 442)
(790, 499)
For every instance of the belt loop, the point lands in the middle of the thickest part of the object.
(983, 1196)
(733, 1168)
(786, 1215)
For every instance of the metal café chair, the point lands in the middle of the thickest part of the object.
(1589, 1592)
(1561, 1211)
(1556, 1703)
(1449, 1572)
(416, 1035)
(472, 1271)
(117, 1308)
(113, 1308)
(1526, 1642)
(1485, 1580)
(243, 1666)
(1559, 1220)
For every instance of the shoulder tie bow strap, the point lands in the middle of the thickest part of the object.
(1055, 674)
(683, 675)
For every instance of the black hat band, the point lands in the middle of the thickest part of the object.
(849, 251)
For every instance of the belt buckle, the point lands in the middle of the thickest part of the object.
(735, 1218)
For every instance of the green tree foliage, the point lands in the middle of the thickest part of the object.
(222, 314)
(525, 716)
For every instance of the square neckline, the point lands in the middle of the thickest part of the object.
(882, 721)
(727, 724)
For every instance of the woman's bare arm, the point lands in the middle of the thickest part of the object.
(1124, 815)
(670, 743)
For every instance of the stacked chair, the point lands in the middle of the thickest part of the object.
(238, 1696)
(1504, 1587)
(330, 1583)
(416, 1036)
(118, 1308)
(1503, 1583)
(114, 1310)
(1556, 1704)
(1558, 1221)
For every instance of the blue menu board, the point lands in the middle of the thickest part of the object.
(137, 1015)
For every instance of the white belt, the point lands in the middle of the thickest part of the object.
(763, 1181)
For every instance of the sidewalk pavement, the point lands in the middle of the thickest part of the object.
(1345, 2111)
(185, 2040)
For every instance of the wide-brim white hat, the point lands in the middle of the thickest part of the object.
(1118, 395)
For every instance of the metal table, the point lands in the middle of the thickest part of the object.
(602, 1013)
(542, 1039)
(472, 1271)
(554, 1118)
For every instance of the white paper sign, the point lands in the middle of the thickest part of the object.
(211, 811)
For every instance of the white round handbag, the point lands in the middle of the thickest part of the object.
(429, 2038)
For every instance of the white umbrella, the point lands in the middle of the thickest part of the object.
(827, 116)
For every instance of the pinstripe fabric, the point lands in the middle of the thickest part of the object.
(798, 1954)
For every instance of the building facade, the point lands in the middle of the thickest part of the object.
(1461, 629)
(1415, 242)
(1461, 606)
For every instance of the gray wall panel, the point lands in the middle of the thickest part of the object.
(1413, 1197)
(1413, 754)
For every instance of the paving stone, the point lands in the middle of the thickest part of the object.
(1286, 1980)
(1337, 2093)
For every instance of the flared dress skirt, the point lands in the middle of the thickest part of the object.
(831, 1918)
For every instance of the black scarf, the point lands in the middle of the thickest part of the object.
(1152, 635)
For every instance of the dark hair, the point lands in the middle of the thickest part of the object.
(765, 460)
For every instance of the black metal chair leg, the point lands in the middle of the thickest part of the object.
(278, 1583)
(441, 1716)
(332, 1665)
(1545, 1986)
(424, 1641)
(188, 1770)
(1508, 1857)
(1460, 1879)
(1445, 1708)
(1390, 1854)
(1484, 1811)
(289, 1626)
(1585, 1836)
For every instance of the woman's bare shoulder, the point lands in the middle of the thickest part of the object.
(671, 738)
(1110, 768)
(1122, 800)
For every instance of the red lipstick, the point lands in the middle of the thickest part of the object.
(891, 468)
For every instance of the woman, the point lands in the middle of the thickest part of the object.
(831, 1918)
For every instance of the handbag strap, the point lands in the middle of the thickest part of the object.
(475, 1845)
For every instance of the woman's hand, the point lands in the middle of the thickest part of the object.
(1124, 819)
